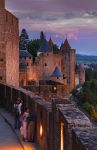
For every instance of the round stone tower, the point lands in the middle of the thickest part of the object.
(2, 4)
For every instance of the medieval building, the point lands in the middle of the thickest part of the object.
(79, 75)
(57, 68)
(9, 47)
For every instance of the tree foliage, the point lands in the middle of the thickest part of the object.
(24, 40)
(88, 98)
(34, 46)
(42, 36)
(55, 48)
(91, 74)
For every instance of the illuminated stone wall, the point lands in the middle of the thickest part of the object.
(9, 47)
(45, 65)
(71, 117)
(2, 4)
(84, 139)
(72, 69)
(59, 122)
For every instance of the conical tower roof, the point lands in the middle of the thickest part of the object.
(57, 72)
(50, 42)
(45, 46)
(24, 53)
(62, 45)
(66, 44)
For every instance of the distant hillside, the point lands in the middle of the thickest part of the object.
(84, 59)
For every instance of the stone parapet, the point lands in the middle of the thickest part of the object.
(59, 125)
(84, 139)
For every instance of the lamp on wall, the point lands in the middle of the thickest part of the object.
(41, 129)
(41, 125)
(54, 89)
(62, 137)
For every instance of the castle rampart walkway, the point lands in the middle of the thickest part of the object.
(10, 139)
(60, 125)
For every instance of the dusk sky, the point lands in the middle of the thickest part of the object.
(76, 19)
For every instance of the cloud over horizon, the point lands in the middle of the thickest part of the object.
(72, 18)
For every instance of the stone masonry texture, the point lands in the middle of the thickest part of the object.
(78, 133)
(9, 47)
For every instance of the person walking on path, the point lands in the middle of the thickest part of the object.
(25, 123)
(16, 115)
(31, 126)
(20, 107)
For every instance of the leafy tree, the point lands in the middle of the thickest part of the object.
(55, 48)
(88, 98)
(91, 74)
(93, 113)
(34, 46)
(87, 106)
(42, 35)
(24, 40)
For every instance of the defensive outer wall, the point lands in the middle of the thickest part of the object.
(9, 47)
(59, 125)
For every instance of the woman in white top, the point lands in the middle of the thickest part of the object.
(25, 123)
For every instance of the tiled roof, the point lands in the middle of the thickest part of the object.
(45, 46)
(25, 53)
(50, 42)
(57, 72)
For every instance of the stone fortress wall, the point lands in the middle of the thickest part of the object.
(9, 47)
(60, 125)
(44, 66)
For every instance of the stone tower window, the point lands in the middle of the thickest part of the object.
(1, 78)
(64, 77)
(1, 59)
(45, 64)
